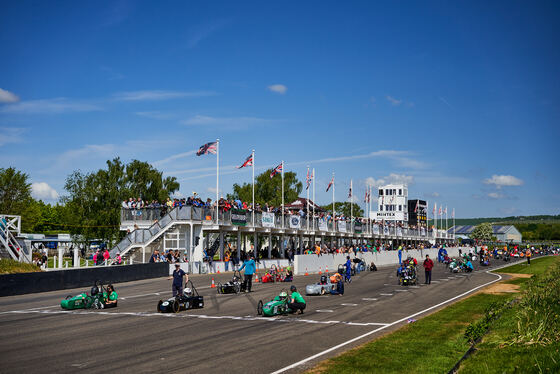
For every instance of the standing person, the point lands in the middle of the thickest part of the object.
(227, 258)
(400, 255)
(528, 255)
(249, 267)
(428, 265)
(106, 256)
(348, 277)
(297, 303)
(95, 255)
(179, 279)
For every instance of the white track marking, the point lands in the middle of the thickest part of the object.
(435, 281)
(386, 294)
(324, 311)
(401, 290)
(336, 347)
(369, 299)
(43, 307)
(199, 316)
(414, 286)
(349, 304)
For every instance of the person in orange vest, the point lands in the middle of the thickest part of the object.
(528, 254)
(227, 258)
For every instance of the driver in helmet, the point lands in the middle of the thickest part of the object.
(112, 297)
(296, 302)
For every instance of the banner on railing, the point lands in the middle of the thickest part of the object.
(342, 226)
(267, 219)
(423, 231)
(399, 231)
(323, 225)
(238, 217)
(295, 222)
(375, 229)
(385, 230)
(358, 227)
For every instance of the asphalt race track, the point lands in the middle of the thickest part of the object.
(227, 336)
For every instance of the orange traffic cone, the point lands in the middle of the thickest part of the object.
(327, 270)
(213, 285)
(306, 273)
(320, 272)
(256, 278)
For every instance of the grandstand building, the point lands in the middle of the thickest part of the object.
(392, 203)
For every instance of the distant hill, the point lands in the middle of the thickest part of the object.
(504, 220)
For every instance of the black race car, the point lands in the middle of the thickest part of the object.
(190, 299)
(236, 284)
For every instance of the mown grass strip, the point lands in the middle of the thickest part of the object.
(9, 266)
(538, 266)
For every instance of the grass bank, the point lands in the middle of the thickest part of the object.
(9, 266)
(435, 343)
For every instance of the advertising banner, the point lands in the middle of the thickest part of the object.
(399, 231)
(375, 229)
(423, 231)
(267, 219)
(239, 217)
(342, 226)
(358, 227)
(295, 222)
(323, 225)
(385, 230)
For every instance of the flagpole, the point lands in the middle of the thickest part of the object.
(307, 201)
(446, 221)
(217, 177)
(453, 223)
(435, 218)
(351, 208)
(427, 218)
(253, 157)
(313, 175)
(282, 193)
(333, 213)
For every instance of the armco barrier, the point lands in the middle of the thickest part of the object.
(314, 263)
(24, 283)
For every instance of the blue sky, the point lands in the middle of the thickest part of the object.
(459, 99)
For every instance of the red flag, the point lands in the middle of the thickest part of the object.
(248, 162)
(330, 184)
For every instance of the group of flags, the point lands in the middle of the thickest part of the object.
(212, 148)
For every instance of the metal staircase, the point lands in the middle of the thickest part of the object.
(10, 245)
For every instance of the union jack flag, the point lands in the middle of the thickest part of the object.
(276, 170)
(330, 184)
(366, 198)
(248, 162)
(207, 148)
(440, 210)
(435, 209)
(308, 179)
(416, 207)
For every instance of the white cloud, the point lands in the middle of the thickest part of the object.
(158, 95)
(49, 106)
(233, 122)
(393, 101)
(496, 195)
(203, 31)
(278, 88)
(42, 191)
(11, 135)
(155, 115)
(390, 179)
(433, 194)
(8, 97)
(503, 180)
(173, 158)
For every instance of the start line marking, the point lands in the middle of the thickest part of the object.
(200, 316)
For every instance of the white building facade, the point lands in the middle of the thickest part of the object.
(392, 203)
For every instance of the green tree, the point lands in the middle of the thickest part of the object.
(94, 200)
(269, 190)
(482, 232)
(344, 208)
(15, 197)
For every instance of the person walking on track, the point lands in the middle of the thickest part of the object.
(428, 265)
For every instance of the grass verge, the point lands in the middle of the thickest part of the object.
(538, 266)
(9, 266)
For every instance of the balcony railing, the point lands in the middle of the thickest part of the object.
(159, 218)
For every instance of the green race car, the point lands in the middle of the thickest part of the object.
(96, 299)
(276, 306)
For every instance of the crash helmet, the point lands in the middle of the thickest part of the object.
(187, 291)
(293, 288)
(283, 295)
(323, 279)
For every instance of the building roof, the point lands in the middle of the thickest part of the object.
(301, 203)
(468, 229)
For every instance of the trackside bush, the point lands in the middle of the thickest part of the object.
(538, 316)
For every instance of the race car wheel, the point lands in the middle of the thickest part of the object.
(187, 305)
(219, 289)
(175, 306)
(323, 291)
(260, 308)
(159, 306)
(237, 288)
(88, 301)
